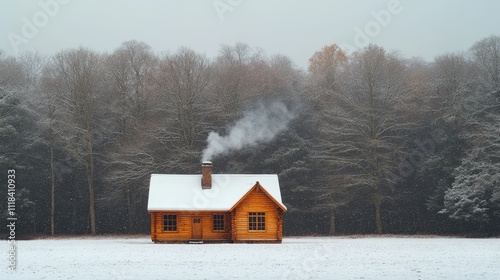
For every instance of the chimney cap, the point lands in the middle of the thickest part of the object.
(207, 162)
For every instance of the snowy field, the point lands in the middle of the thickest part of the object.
(296, 258)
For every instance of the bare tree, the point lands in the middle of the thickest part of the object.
(325, 66)
(75, 77)
(284, 76)
(325, 70)
(47, 110)
(33, 64)
(486, 54)
(11, 73)
(230, 82)
(362, 128)
(45, 107)
(452, 79)
(132, 69)
(184, 80)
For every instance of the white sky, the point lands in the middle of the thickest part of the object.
(296, 28)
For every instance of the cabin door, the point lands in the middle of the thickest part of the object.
(196, 229)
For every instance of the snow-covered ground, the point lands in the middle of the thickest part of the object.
(296, 258)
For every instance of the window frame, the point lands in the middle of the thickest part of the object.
(254, 221)
(223, 220)
(174, 226)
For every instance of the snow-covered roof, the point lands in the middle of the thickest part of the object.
(184, 192)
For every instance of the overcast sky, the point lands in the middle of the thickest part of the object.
(296, 28)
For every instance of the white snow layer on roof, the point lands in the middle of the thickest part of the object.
(184, 192)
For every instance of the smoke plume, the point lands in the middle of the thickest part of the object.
(259, 125)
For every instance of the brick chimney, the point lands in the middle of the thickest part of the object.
(206, 175)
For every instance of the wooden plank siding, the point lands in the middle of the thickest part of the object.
(257, 201)
(153, 227)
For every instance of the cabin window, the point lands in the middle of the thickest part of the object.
(218, 222)
(170, 222)
(257, 221)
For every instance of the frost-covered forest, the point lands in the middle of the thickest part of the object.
(375, 143)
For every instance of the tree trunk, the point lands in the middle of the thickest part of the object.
(333, 230)
(74, 216)
(52, 193)
(90, 182)
(130, 214)
(378, 214)
(91, 202)
(89, 168)
(91, 205)
(34, 218)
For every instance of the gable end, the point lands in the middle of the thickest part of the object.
(258, 187)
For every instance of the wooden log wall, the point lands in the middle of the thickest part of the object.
(257, 201)
(184, 226)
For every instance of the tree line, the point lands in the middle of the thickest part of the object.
(380, 143)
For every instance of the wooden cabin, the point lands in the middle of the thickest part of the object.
(215, 207)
